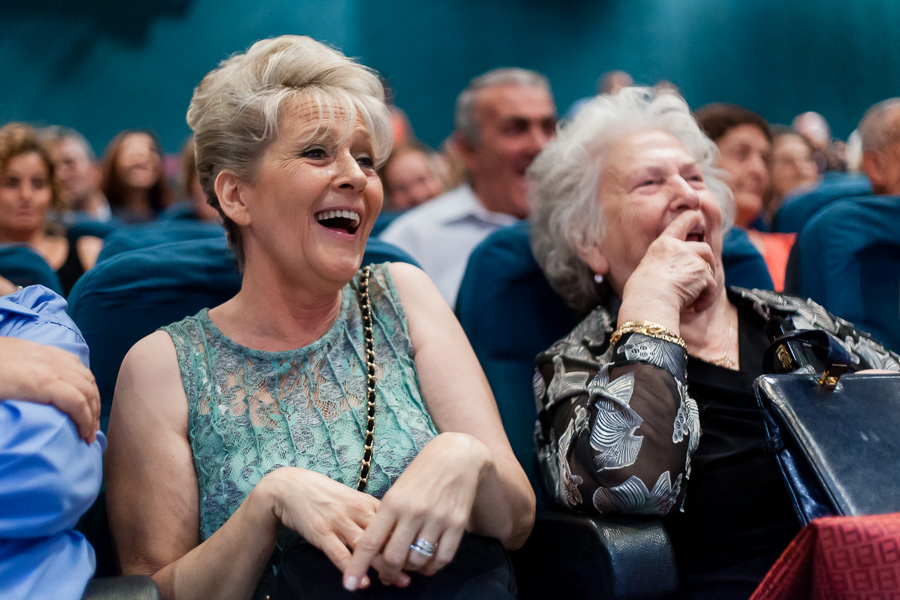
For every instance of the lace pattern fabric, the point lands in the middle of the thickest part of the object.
(251, 411)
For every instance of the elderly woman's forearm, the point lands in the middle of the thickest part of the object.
(620, 440)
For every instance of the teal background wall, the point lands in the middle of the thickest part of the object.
(103, 65)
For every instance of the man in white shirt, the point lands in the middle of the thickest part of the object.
(502, 121)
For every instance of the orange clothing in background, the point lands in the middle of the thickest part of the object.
(775, 249)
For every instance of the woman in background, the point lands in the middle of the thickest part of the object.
(133, 178)
(792, 166)
(744, 141)
(409, 177)
(28, 191)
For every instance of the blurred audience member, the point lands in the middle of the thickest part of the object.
(450, 166)
(791, 166)
(401, 128)
(27, 193)
(613, 81)
(193, 205)
(608, 83)
(78, 174)
(503, 119)
(828, 154)
(664, 85)
(133, 178)
(853, 152)
(409, 177)
(745, 143)
(879, 131)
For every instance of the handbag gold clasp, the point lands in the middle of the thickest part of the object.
(784, 357)
(832, 374)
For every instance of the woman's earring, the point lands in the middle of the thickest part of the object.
(598, 278)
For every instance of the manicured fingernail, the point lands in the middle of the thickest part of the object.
(350, 583)
(364, 583)
(403, 580)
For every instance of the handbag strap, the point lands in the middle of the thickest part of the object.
(791, 351)
(365, 307)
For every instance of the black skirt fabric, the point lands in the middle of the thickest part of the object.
(481, 570)
(737, 516)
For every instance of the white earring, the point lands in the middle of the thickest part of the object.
(598, 278)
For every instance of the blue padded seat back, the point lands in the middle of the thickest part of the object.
(180, 211)
(848, 260)
(510, 314)
(100, 229)
(23, 266)
(130, 295)
(798, 208)
(383, 220)
(144, 235)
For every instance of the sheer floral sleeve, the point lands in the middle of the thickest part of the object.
(617, 428)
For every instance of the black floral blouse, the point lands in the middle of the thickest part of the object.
(617, 427)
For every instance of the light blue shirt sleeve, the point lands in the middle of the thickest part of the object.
(48, 475)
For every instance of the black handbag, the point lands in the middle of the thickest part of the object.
(836, 438)
(481, 570)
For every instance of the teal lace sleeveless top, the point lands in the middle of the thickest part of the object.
(251, 411)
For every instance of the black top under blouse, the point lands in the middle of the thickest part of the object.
(737, 515)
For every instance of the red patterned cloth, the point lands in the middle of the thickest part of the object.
(838, 558)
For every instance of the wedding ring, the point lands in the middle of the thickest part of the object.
(423, 547)
(709, 268)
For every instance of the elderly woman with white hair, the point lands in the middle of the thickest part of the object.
(628, 218)
(236, 429)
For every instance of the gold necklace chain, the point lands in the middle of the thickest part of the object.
(724, 360)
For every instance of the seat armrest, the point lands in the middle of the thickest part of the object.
(596, 557)
(132, 587)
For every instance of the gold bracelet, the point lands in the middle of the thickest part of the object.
(650, 329)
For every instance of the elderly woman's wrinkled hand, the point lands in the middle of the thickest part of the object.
(50, 375)
(429, 507)
(674, 275)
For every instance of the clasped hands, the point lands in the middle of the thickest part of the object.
(431, 500)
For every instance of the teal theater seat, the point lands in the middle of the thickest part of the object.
(23, 266)
(144, 235)
(847, 258)
(798, 208)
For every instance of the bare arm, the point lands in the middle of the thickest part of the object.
(460, 400)
(468, 476)
(152, 489)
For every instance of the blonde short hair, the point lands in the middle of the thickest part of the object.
(236, 108)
